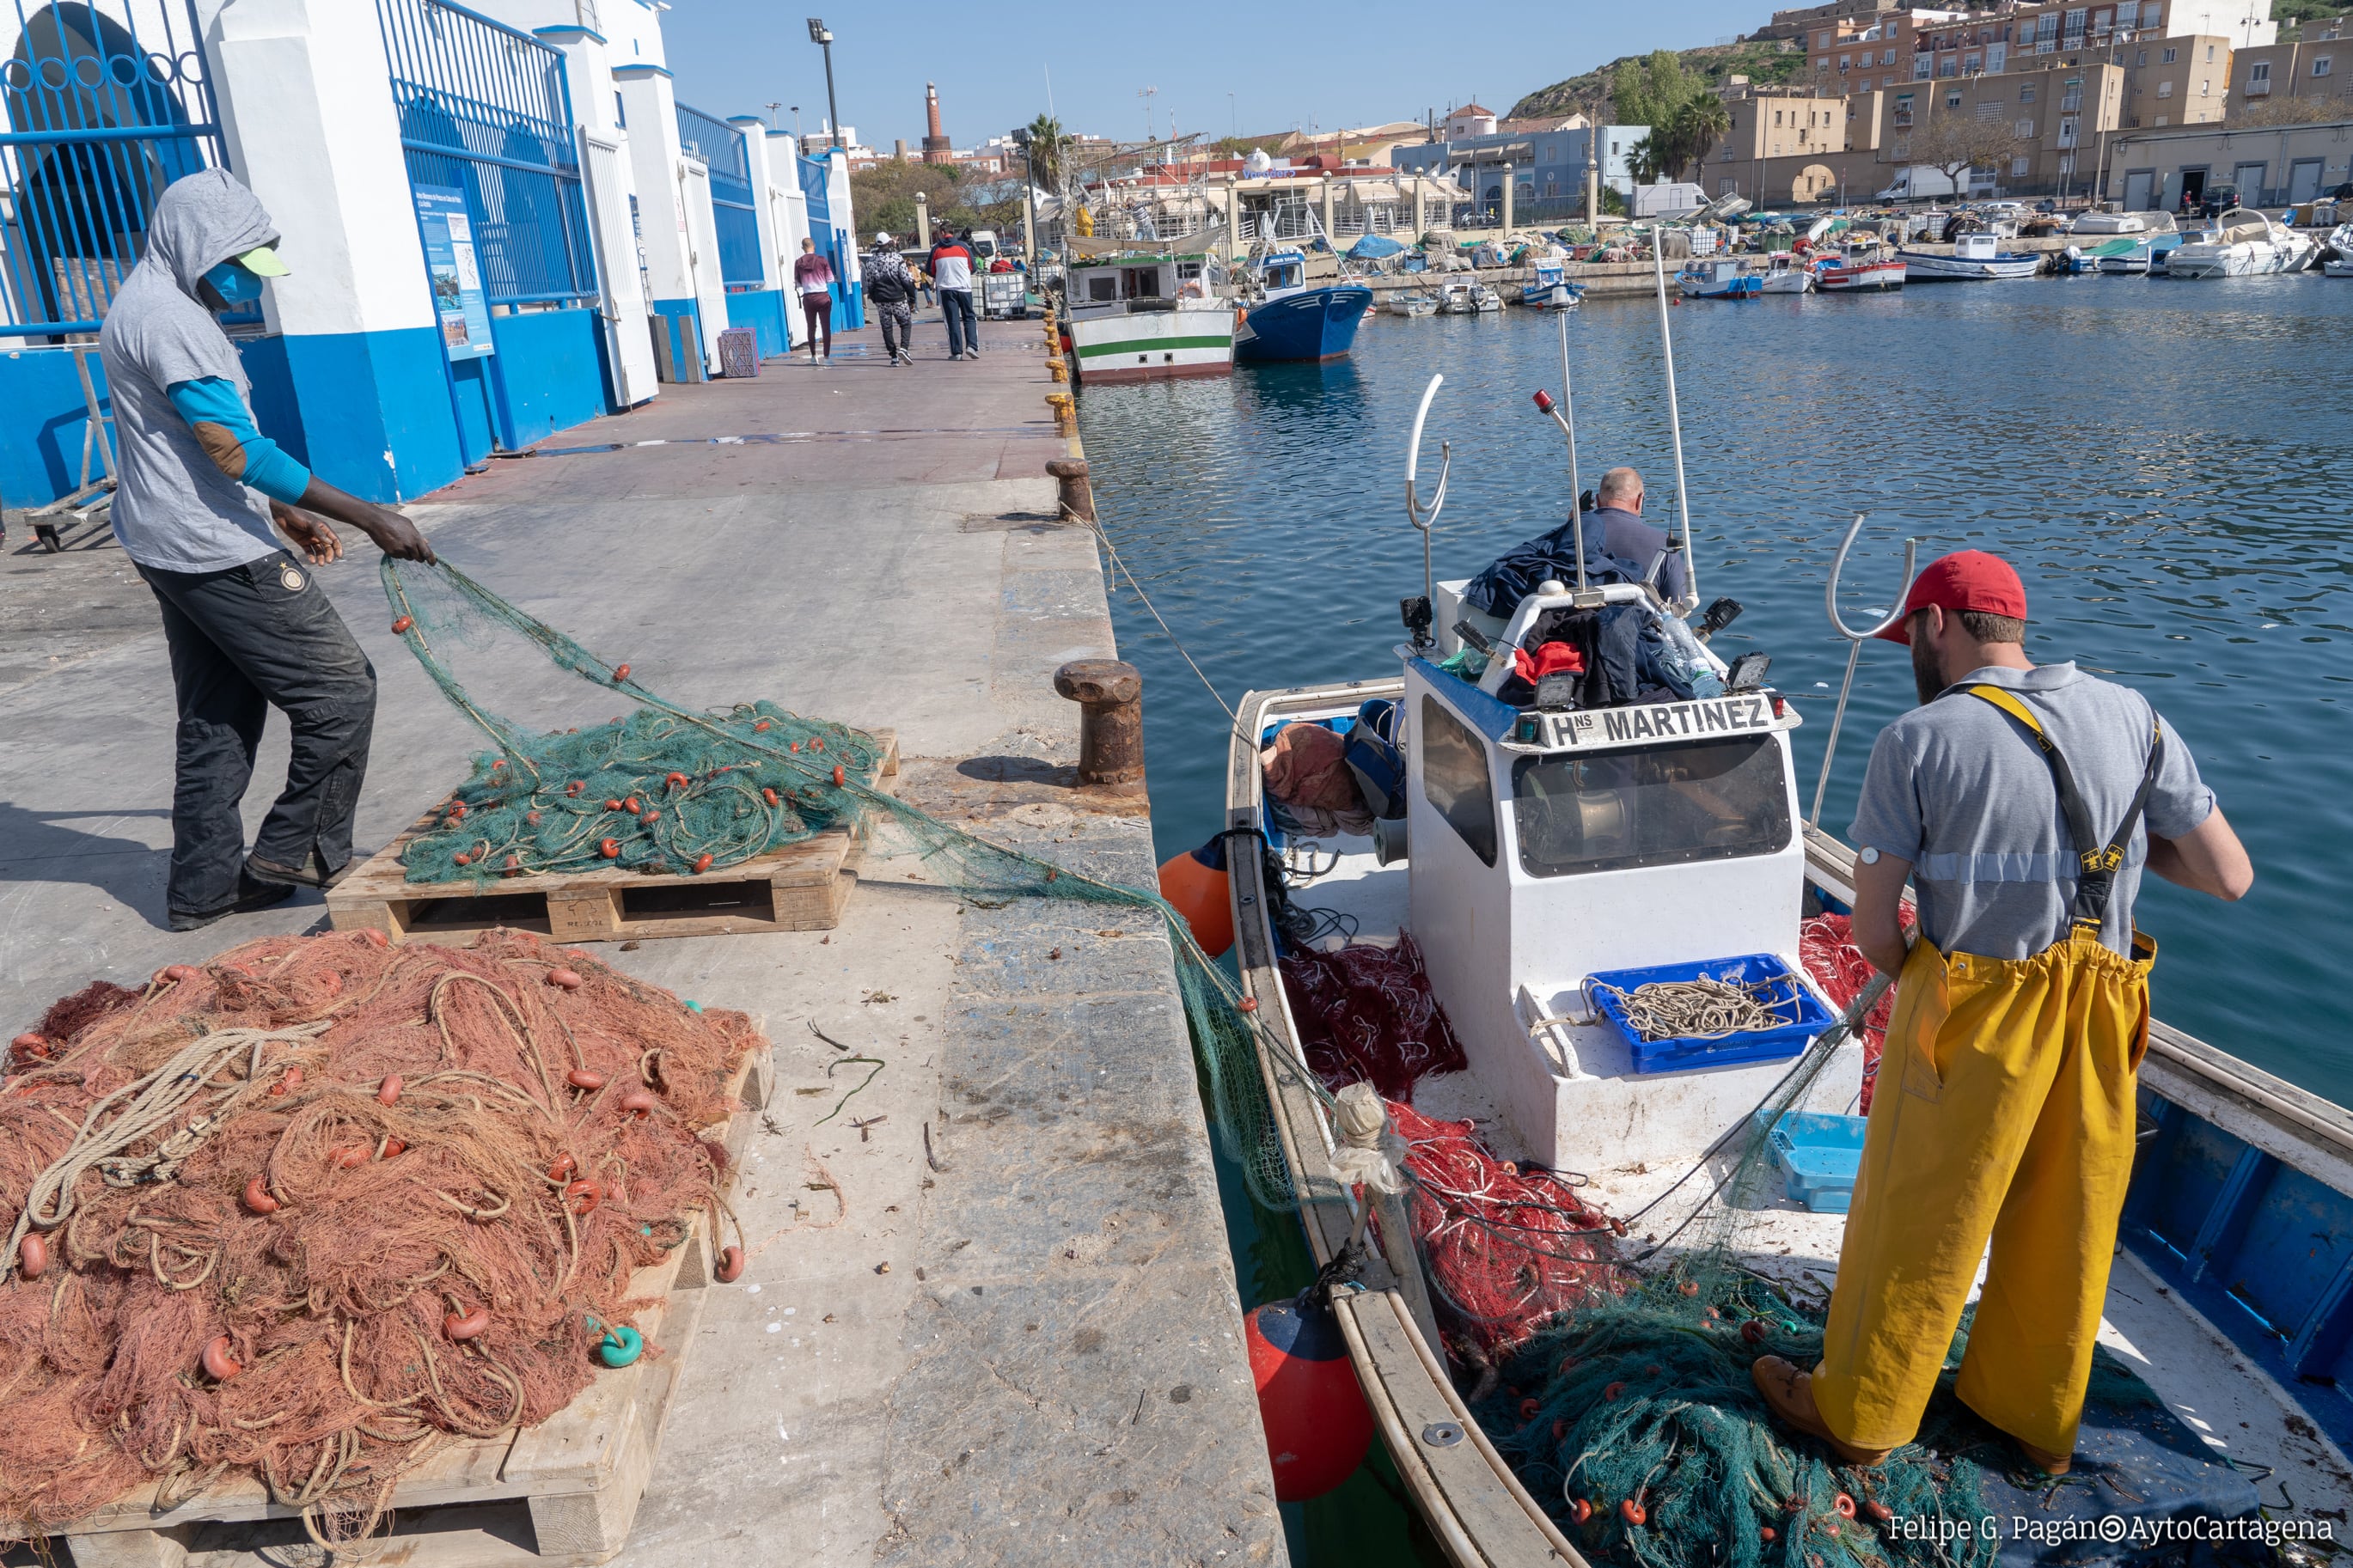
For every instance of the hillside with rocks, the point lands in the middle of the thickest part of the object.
(1761, 60)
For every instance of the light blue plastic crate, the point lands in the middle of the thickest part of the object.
(1817, 1155)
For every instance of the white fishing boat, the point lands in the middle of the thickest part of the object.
(2340, 252)
(1785, 274)
(1140, 315)
(1403, 304)
(1531, 847)
(1466, 298)
(2245, 244)
(1548, 289)
(2106, 226)
(1719, 277)
(1977, 259)
(1858, 265)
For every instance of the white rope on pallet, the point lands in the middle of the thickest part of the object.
(149, 1106)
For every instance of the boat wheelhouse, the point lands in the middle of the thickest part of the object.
(1976, 258)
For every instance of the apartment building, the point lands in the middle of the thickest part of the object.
(1784, 122)
(2317, 64)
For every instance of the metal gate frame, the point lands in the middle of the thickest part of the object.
(485, 108)
(103, 104)
(721, 147)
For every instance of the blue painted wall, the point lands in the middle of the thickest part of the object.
(550, 373)
(41, 424)
(369, 412)
(762, 311)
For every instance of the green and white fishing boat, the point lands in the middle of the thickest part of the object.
(1140, 314)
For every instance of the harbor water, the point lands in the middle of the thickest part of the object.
(2169, 465)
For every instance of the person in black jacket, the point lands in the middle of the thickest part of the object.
(890, 289)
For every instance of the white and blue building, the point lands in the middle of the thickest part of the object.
(489, 212)
(1545, 161)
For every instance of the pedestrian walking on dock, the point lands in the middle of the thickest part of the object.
(247, 625)
(951, 268)
(890, 289)
(813, 279)
(2023, 804)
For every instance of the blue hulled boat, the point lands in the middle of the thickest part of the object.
(1294, 319)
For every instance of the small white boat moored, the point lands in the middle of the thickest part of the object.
(1976, 258)
(2247, 244)
(1148, 317)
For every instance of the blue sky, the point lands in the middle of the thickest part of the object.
(1367, 62)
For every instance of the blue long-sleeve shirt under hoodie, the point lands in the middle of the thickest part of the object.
(226, 431)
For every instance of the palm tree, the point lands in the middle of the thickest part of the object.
(1046, 142)
(1646, 159)
(1698, 124)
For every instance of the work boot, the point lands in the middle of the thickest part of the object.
(1790, 1393)
(2043, 1459)
(312, 875)
(251, 894)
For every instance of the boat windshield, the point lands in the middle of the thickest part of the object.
(1663, 806)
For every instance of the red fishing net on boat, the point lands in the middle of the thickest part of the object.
(1826, 947)
(1366, 1014)
(1507, 1247)
(313, 1209)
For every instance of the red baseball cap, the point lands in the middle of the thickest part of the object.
(1965, 579)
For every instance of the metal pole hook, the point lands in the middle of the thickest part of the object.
(1425, 518)
(1855, 639)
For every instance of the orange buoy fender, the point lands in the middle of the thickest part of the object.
(1196, 885)
(1318, 1427)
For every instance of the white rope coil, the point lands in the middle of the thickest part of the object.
(1371, 1153)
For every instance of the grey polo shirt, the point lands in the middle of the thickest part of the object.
(1959, 789)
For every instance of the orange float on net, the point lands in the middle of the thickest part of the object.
(1766, 1532)
(638, 1102)
(290, 1083)
(389, 1090)
(817, 743)
(703, 863)
(632, 803)
(457, 809)
(31, 1042)
(621, 672)
(349, 1158)
(731, 1265)
(1613, 1391)
(1633, 1513)
(564, 979)
(219, 1364)
(1248, 1004)
(392, 1148)
(610, 848)
(675, 781)
(257, 1198)
(464, 859)
(582, 1078)
(1844, 1504)
(565, 1168)
(575, 786)
(376, 939)
(795, 746)
(32, 1256)
(403, 623)
(1753, 1332)
(1878, 1512)
(612, 805)
(531, 817)
(466, 1326)
(840, 775)
(582, 1196)
(760, 726)
(515, 862)
(1580, 1511)
(769, 796)
(1528, 1408)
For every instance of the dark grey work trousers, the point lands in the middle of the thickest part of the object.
(243, 641)
(963, 332)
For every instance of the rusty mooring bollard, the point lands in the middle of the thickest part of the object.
(1111, 721)
(1066, 413)
(1077, 495)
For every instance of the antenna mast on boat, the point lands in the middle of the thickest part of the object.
(1566, 417)
(1855, 639)
(1675, 423)
(1426, 518)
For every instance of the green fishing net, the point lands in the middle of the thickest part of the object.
(663, 788)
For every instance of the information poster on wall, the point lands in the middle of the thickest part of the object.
(458, 306)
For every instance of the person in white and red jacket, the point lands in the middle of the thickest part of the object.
(951, 268)
(813, 281)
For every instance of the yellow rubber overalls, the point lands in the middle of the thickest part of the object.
(2005, 1110)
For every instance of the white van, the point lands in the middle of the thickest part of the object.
(1917, 183)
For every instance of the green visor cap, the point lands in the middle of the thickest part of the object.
(262, 261)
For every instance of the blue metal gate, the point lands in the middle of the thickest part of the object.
(106, 103)
(485, 112)
(721, 145)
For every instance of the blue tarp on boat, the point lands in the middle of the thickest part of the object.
(1372, 247)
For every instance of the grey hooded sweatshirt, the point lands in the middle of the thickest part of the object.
(173, 508)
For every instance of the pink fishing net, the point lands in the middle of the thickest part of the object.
(318, 1208)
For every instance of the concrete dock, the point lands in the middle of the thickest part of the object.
(1020, 1343)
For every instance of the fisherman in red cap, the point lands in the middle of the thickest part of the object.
(2022, 803)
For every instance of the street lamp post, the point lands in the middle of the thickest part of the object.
(821, 37)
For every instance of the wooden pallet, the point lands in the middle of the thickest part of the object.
(802, 887)
(559, 1495)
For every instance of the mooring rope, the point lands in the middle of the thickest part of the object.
(1705, 1008)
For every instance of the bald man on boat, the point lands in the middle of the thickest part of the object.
(2023, 804)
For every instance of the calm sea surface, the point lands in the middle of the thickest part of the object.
(2169, 465)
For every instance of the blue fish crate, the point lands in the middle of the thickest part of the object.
(1783, 994)
(1817, 1155)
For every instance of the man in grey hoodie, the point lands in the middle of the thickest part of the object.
(248, 628)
